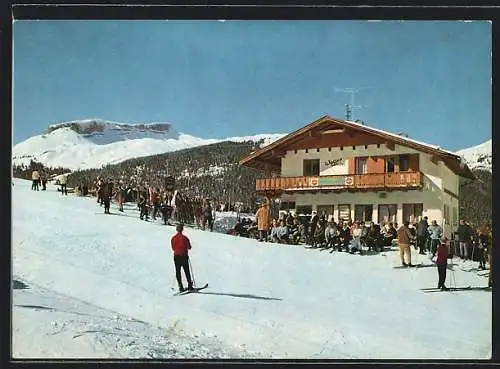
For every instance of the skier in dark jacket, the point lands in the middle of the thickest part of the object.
(464, 235)
(442, 262)
(143, 208)
(106, 195)
(180, 246)
(207, 216)
(422, 234)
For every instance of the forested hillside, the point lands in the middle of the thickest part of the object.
(476, 197)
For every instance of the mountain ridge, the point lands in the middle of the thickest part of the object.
(94, 143)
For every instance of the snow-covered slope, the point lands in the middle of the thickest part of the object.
(100, 288)
(93, 143)
(478, 157)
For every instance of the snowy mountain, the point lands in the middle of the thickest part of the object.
(92, 143)
(478, 157)
(97, 288)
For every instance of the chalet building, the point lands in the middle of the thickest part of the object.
(356, 172)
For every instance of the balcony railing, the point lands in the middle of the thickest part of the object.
(355, 181)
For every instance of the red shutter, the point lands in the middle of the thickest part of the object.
(376, 165)
(414, 163)
(351, 162)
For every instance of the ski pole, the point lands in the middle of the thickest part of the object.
(192, 272)
(453, 280)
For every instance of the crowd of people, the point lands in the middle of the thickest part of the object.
(154, 202)
(321, 231)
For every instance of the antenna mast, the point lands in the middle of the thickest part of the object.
(350, 107)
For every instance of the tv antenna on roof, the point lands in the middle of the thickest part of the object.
(350, 107)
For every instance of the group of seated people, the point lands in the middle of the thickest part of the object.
(318, 232)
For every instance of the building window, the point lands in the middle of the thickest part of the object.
(344, 212)
(412, 212)
(387, 213)
(311, 167)
(404, 163)
(304, 209)
(326, 209)
(361, 167)
(287, 205)
(363, 213)
(389, 165)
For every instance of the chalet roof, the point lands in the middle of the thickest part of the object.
(268, 154)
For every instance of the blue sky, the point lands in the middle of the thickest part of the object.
(213, 79)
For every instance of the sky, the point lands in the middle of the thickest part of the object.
(212, 79)
(279, 301)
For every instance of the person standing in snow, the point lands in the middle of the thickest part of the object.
(435, 233)
(464, 235)
(122, 193)
(442, 262)
(43, 178)
(63, 180)
(263, 216)
(35, 177)
(180, 246)
(99, 186)
(107, 193)
(404, 237)
(422, 234)
(207, 216)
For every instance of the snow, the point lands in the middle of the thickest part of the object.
(103, 286)
(479, 156)
(63, 147)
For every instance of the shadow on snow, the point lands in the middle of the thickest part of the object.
(244, 296)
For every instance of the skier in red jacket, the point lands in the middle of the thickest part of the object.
(442, 262)
(180, 246)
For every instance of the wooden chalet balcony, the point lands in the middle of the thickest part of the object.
(382, 181)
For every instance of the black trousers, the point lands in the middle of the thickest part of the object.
(442, 274)
(64, 190)
(182, 261)
(107, 203)
(421, 241)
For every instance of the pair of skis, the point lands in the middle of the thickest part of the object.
(433, 289)
(194, 290)
(408, 266)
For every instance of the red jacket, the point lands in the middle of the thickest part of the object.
(442, 254)
(180, 244)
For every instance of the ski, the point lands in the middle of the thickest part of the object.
(194, 290)
(408, 266)
(450, 289)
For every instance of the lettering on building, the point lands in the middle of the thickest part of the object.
(334, 162)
